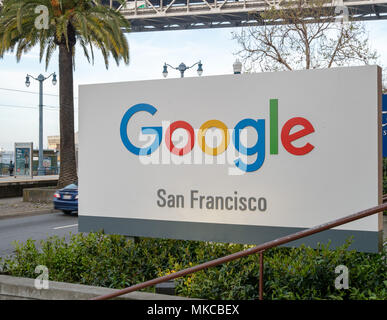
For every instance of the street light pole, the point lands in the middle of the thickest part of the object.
(41, 79)
(182, 68)
(40, 165)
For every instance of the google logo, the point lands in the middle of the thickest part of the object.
(258, 149)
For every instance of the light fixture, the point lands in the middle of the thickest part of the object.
(237, 66)
(28, 81)
(200, 69)
(165, 71)
(182, 68)
(54, 81)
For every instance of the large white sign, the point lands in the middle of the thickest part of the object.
(237, 158)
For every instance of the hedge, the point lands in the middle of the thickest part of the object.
(116, 262)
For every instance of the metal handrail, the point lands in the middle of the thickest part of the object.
(257, 249)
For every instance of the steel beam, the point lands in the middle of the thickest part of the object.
(157, 15)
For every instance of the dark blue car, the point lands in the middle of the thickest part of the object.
(66, 199)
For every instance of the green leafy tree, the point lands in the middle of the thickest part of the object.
(60, 24)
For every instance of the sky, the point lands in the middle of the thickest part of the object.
(19, 116)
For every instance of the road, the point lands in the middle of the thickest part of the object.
(35, 227)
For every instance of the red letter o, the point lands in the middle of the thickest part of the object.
(191, 138)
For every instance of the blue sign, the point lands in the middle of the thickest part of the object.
(384, 124)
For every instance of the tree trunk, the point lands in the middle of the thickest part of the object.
(68, 168)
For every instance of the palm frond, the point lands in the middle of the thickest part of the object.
(93, 25)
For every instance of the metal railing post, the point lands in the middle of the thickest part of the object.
(261, 275)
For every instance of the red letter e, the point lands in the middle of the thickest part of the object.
(288, 138)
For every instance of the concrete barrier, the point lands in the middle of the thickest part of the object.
(15, 288)
(39, 194)
(15, 189)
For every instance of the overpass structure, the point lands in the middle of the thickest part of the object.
(159, 15)
(163, 15)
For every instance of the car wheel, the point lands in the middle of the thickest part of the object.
(67, 212)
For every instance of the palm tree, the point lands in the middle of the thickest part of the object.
(86, 22)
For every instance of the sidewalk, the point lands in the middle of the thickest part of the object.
(15, 207)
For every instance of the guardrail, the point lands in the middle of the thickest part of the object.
(257, 249)
(48, 171)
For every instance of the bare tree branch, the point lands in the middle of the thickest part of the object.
(303, 35)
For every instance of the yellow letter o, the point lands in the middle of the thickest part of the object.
(202, 137)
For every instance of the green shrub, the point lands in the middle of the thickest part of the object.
(116, 262)
(299, 273)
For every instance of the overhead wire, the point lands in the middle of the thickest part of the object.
(31, 92)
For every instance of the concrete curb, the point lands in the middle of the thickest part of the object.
(15, 288)
(21, 214)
